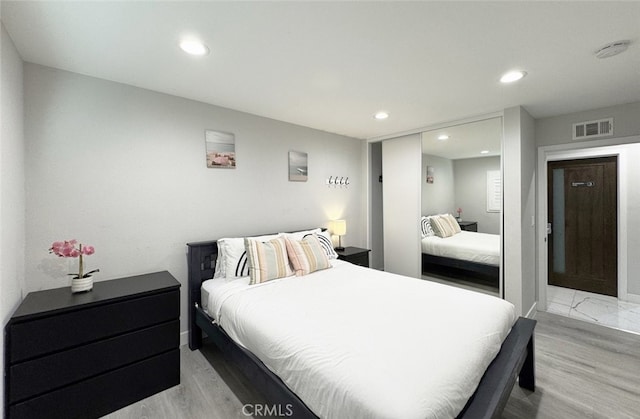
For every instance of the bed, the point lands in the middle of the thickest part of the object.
(219, 305)
(475, 255)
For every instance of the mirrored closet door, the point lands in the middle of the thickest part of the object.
(461, 200)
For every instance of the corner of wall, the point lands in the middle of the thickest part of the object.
(12, 184)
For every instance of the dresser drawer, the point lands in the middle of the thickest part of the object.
(66, 330)
(100, 395)
(33, 377)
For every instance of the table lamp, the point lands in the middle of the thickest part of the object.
(339, 229)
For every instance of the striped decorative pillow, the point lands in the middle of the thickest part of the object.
(325, 241)
(323, 236)
(441, 226)
(453, 223)
(267, 260)
(307, 255)
(232, 256)
(425, 226)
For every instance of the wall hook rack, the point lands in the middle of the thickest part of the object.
(338, 180)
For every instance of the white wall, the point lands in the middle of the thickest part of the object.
(12, 181)
(554, 134)
(438, 197)
(518, 209)
(401, 162)
(558, 129)
(632, 176)
(123, 169)
(471, 192)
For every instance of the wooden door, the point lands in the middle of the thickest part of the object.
(583, 243)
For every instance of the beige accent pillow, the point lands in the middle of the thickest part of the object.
(441, 226)
(267, 260)
(307, 255)
(453, 223)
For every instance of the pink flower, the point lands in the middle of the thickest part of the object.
(68, 249)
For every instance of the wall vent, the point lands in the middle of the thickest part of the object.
(593, 129)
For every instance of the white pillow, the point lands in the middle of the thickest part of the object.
(219, 270)
(232, 256)
(299, 235)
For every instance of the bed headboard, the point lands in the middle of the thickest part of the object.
(201, 262)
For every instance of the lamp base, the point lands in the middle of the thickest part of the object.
(340, 249)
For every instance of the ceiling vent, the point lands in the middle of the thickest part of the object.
(593, 129)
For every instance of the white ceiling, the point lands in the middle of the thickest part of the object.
(465, 140)
(332, 65)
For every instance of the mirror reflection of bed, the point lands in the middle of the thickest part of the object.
(461, 201)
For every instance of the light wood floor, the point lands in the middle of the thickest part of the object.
(583, 371)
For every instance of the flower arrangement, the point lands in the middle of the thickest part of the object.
(459, 211)
(73, 249)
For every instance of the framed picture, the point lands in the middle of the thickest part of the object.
(298, 166)
(221, 149)
(430, 173)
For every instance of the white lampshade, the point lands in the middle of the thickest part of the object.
(339, 227)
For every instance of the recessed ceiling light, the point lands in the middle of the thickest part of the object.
(381, 115)
(443, 137)
(512, 76)
(194, 47)
(484, 152)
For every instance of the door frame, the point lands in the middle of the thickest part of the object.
(588, 149)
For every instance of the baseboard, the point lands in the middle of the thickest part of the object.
(633, 298)
(184, 338)
(531, 314)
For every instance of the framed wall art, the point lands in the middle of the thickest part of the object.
(221, 149)
(298, 166)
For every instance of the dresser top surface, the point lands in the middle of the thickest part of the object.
(46, 301)
(351, 250)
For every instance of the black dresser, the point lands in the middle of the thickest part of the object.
(89, 354)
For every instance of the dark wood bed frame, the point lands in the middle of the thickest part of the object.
(438, 264)
(516, 357)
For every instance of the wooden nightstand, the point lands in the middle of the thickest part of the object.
(85, 355)
(355, 255)
(468, 225)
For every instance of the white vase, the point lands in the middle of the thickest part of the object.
(82, 284)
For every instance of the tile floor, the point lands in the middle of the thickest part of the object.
(595, 308)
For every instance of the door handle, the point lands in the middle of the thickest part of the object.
(549, 230)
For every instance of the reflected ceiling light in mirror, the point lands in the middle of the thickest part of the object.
(380, 115)
(512, 76)
(194, 47)
(443, 137)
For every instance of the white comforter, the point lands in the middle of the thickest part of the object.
(466, 245)
(353, 342)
